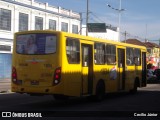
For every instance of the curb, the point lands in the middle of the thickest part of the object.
(5, 86)
(5, 91)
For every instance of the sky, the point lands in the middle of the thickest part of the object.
(140, 20)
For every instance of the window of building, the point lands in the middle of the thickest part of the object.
(110, 54)
(5, 48)
(75, 29)
(52, 24)
(156, 50)
(23, 22)
(64, 27)
(99, 53)
(5, 19)
(137, 57)
(130, 56)
(149, 50)
(38, 23)
(73, 50)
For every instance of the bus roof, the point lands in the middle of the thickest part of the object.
(82, 37)
(102, 40)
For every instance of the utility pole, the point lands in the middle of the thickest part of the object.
(125, 34)
(146, 35)
(87, 17)
(119, 21)
(119, 17)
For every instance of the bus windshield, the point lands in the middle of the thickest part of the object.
(39, 44)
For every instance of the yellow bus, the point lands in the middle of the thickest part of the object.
(64, 64)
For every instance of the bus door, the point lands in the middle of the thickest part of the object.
(143, 84)
(121, 69)
(87, 69)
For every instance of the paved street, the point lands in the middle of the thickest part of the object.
(145, 101)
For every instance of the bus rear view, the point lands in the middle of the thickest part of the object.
(35, 64)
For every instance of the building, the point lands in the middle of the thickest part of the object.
(21, 15)
(111, 33)
(135, 42)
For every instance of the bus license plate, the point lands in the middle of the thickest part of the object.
(34, 82)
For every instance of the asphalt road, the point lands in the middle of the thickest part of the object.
(147, 100)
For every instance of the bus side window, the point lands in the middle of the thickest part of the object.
(72, 50)
(99, 49)
(85, 56)
(137, 57)
(110, 54)
(130, 56)
(69, 58)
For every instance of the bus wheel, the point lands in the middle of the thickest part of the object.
(100, 91)
(134, 90)
(58, 97)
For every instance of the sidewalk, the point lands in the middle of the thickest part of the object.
(5, 85)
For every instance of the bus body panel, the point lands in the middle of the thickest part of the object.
(36, 68)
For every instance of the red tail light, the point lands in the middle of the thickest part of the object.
(14, 75)
(57, 76)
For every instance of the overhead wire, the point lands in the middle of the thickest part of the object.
(95, 18)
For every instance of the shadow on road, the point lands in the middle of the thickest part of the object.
(147, 99)
(117, 104)
(143, 100)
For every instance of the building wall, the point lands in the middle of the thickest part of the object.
(32, 8)
(109, 34)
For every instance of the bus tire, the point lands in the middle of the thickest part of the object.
(136, 84)
(100, 91)
(58, 97)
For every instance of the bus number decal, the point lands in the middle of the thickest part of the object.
(48, 65)
(23, 64)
